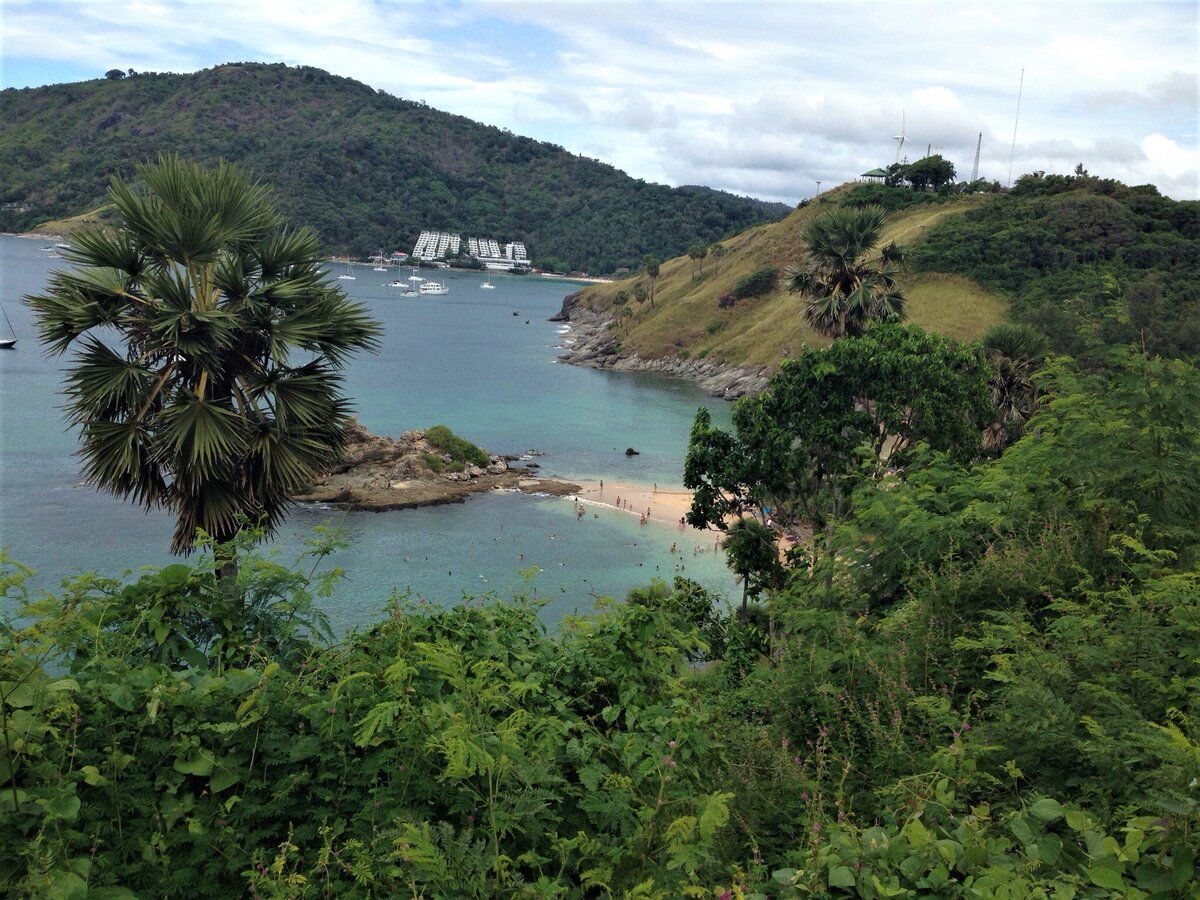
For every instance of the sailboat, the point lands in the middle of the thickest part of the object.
(379, 266)
(8, 343)
(346, 276)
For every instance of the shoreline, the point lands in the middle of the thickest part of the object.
(665, 505)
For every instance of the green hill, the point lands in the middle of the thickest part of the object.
(687, 318)
(1087, 261)
(365, 168)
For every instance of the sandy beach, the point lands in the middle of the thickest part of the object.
(661, 504)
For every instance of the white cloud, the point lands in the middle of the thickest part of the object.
(756, 97)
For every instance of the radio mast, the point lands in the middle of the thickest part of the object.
(1016, 119)
(975, 168)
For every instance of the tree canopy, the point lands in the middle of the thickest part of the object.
(832, 417)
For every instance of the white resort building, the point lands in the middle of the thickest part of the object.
(436, 245)
(433, 245)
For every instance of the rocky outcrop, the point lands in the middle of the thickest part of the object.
(380, 473)
(595, 347)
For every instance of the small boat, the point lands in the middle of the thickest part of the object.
(488, 286)
(379, 266)
(347, 275)
(8, 343)
(433, 288)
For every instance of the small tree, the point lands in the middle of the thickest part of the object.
(752, 554)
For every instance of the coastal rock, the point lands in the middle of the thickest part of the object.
(595, 347)
(380, 473)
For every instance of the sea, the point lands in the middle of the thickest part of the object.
(483, 362)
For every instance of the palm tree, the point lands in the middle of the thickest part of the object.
(845, 287)
(208, 343)
(652, 269)
(718, 251)
(1014, 351)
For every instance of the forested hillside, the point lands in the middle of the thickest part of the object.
(1084, 259)
(365, 168)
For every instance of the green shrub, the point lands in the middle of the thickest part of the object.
(756, 284)
(433, 462)
(460, 450)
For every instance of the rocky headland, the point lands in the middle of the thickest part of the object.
(595, 347)
(380, 473)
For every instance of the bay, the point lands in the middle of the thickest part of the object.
(482, 362)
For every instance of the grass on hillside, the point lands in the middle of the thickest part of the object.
(761, 332)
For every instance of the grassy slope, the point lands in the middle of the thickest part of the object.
(763, 331)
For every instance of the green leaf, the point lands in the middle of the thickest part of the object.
(1104, 877)
(1077, 820)
(63, 805)
(1046, 810)
(197, 762)
(92, 775)
(841, 877)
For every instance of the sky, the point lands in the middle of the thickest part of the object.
(775, 100)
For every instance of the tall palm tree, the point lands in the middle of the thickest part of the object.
(652, 269)
(1013, 350)
(846, 287)
(208, 343)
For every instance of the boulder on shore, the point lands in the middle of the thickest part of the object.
(379, 473)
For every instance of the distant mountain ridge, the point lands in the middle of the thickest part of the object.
(365, 168)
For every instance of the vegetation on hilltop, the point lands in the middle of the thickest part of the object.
(1088, 261)
(366, 169)
(719, 308)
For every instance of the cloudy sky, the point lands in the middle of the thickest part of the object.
(765, 99)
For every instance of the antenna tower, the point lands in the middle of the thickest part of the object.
(1016, 119)
(975, 168)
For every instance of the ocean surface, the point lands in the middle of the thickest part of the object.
(482, 362)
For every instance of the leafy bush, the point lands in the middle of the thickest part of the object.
(460, 450)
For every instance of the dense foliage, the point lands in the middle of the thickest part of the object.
(988, 689)
(1088, 261)
(366, 169)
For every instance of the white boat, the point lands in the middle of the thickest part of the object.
(379, 266)
(488, 286)
(8, 343)
(433, 288)
(406, 289)
(346, 276)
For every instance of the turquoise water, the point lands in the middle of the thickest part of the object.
(464, 360)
